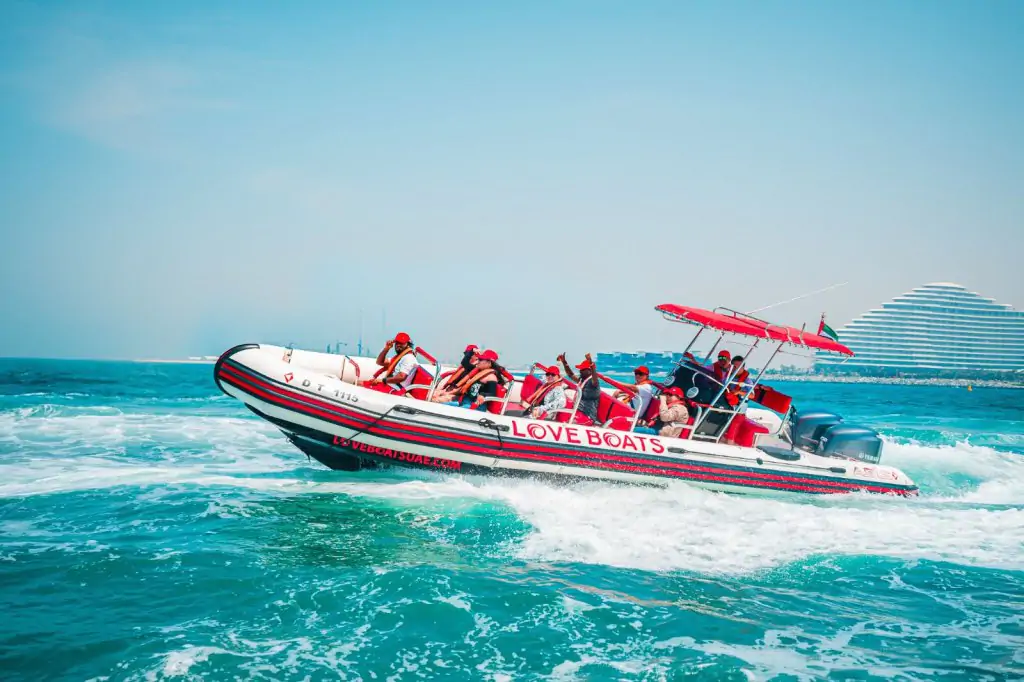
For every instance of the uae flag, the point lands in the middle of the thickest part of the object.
(827, 331)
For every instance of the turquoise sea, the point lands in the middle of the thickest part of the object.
(152, 529)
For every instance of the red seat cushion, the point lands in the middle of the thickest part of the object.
(620, 423)
(742, 430)
(772, 399)
(653, 408)
(609, 408)
(530, 386)
(582, 419)
(494, 406)
(422, 379)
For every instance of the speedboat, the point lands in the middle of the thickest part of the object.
(762, 444)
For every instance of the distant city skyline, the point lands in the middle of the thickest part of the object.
(533, 177)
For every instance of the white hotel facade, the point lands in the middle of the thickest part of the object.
(936, 328)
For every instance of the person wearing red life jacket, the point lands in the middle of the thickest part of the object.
(446, 390)
(738, 384)
(546, 400)
(479, 385)
(673, 414)
(723, 367)
(397, 373)
(469, 359)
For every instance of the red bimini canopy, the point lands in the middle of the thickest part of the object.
(748, 326)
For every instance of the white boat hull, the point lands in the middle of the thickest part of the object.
(346, 426)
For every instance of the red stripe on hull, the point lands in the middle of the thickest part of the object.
(447, 440)
(341, 410)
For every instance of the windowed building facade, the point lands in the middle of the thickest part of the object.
(937, 329)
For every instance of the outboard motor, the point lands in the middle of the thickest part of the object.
(806, 428)
(851, 442)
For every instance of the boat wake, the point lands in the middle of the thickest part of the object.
(971, 510)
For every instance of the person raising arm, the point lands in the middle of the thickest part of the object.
(397, 372)
(590, 385)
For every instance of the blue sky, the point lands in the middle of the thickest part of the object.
(533, 176)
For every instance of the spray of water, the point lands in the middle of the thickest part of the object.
(971, 510)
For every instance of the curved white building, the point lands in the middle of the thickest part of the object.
(938, 328)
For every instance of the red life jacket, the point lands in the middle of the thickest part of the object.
(389, 369)
(736, 388)
(721, 373)
(463, 386)
(452, 380)
(538, 395)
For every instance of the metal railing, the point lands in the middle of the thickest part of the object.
(504, 400)
(637, 412)
(344, 365)
(576, 401)
(434, 379)
(440, 378)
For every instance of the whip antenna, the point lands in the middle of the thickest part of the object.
(811, 293)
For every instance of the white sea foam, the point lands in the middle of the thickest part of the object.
(971, 510)
(687, 529)
(98, 426)
(178, 663)
(963, 471)
(683, 528)
(262, 658)
(92, 450)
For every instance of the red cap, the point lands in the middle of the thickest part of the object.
(401, 337)
(553, 370)
(724, 354)
(674, 390)
(471, 346)
(586, 364)
(489, 355)
(642, 370)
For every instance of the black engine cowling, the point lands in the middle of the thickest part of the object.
(852, 442)
(806, 428)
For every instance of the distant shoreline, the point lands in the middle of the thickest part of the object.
(186, 361)
(895, 381)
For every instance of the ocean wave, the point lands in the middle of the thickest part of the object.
(978, 521)
(100, 448)
(971, 510)
(602, 637)
(673, 529)
(62, 426)
(962, 471)
(76, 398)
